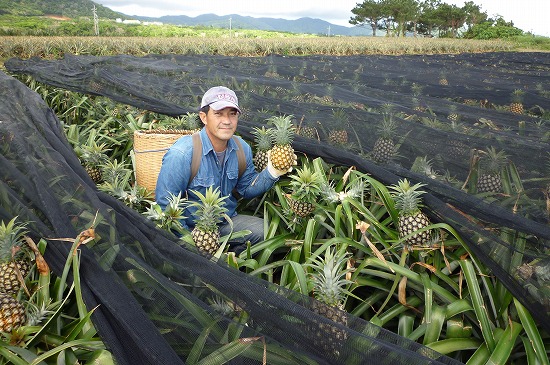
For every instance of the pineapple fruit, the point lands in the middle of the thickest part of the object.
(338, 136)
(12, 257)
(308, 132)
(443, 81)
(12, 264)
(490, 165)
(516, 106)
(411, 218)
(329, 288)
(12, 313)
(282, 154)
(262, 139)
(384, 147)
(210, 209)
(93, 156)
(306, 187)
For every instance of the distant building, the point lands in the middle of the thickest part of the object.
(134, 21)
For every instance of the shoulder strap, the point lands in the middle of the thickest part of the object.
(197, 155)
(240, 157)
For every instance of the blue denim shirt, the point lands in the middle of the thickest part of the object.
(176, 169)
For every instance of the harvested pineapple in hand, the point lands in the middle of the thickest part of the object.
(281, 157)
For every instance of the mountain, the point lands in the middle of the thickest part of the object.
(83, 8)
(302, 25)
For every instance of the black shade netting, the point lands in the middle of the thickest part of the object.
(42, 181)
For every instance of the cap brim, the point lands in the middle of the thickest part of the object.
(222, 104)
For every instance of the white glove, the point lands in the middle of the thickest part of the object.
(276, 173)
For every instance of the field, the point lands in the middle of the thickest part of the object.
(471, 285)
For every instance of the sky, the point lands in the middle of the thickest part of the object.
(528, 15)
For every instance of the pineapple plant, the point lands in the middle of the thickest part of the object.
(516, 106)
(209, 210)
(384, 147)
(13, 257)
(282, 154)
(93, 156)
(338, 136)
(490, 165)
(329, 289)
(411, 218)
(306, 187)
(262, 139)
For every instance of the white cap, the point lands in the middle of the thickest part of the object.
(220, 97)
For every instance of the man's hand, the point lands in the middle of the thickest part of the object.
(276, 172)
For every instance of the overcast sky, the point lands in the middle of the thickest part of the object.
(528, 15)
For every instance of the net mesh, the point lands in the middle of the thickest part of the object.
(447, 109)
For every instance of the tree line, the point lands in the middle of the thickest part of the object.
(430, 18)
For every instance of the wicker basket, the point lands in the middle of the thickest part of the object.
(149, 149)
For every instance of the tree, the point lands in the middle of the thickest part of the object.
(473, 14)
(450, 17)
(427, 22)
(401, 12)
(369, 12)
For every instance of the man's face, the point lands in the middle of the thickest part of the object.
(220, 124)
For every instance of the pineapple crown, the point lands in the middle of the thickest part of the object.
(284, 129)
(517, 95)
(388, 126)
(192, 121)
(493, 160)
(210, 208)
(423, 165)
(329, 277)
(94, 154)
(407, 197)
(262, 138)
(306, 183)
(11, 236)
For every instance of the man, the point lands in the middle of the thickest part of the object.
(219, 167)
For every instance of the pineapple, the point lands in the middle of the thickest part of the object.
(282, 154)
(384, 147)
(338, 136)
(12, 313)
(306, 186)
(453, 115)
(516, 106)
(443, 79)
(210, 208)
(262, 138)
(12, 256)
(411, 218)
(490, 165)
(329, 288)
(93, 156)
(308, 132)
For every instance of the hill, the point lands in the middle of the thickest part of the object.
(301, 25)
(58, 8)
(83, 8)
